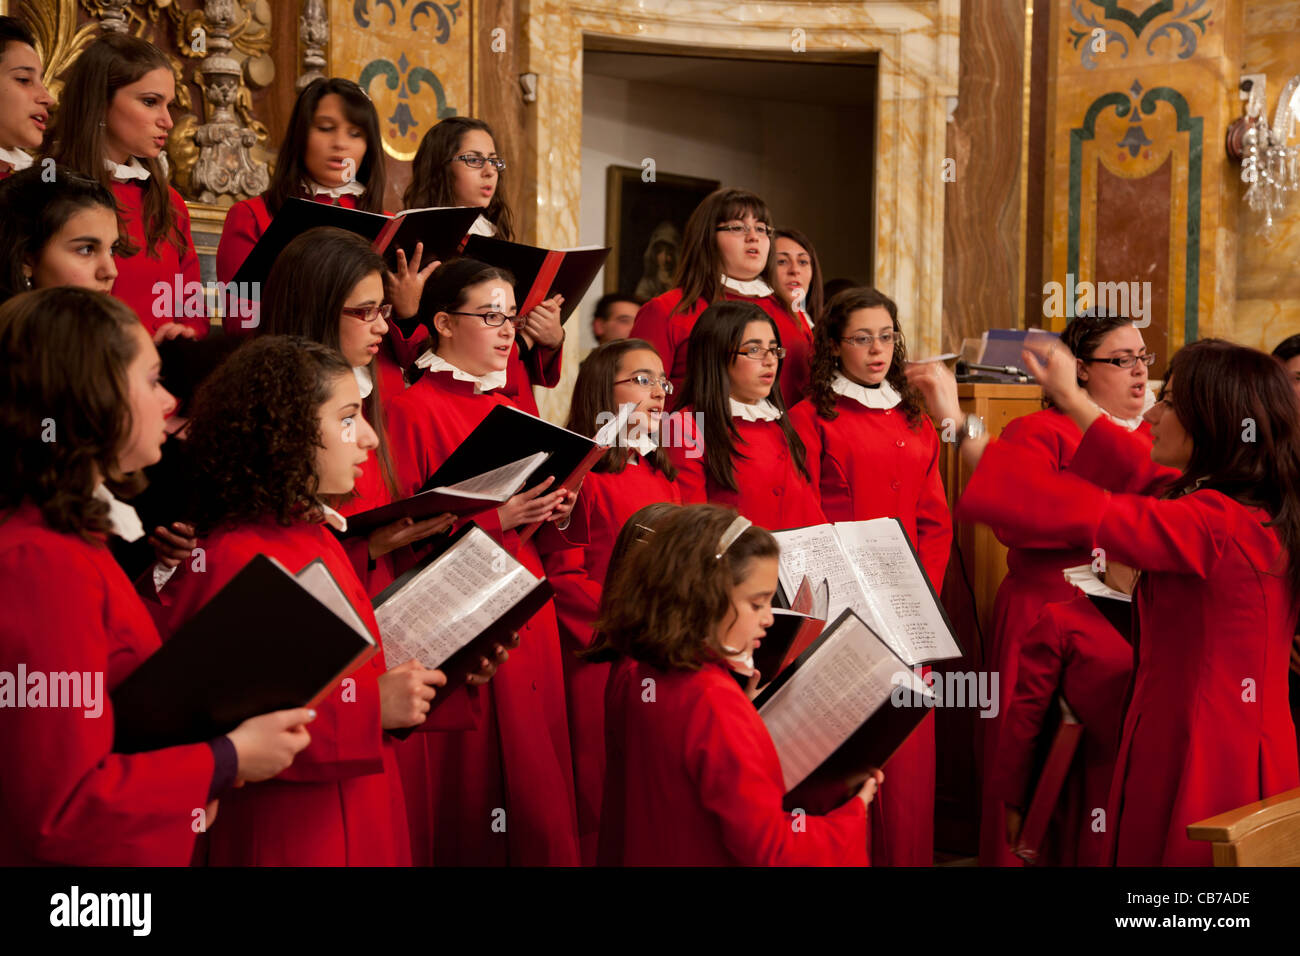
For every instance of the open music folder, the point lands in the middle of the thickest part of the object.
(268, 640)
(872, 569)
(845, 706)
(540, 273)
(463, 597)
(793, 629)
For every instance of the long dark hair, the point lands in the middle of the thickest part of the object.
(813, 300)
(709, 353)
(431, 181)
(699, 269)
(290, 165)
(1216, 388)
(593, 395)
(33, 210)
(305, 294)
(254, 433)
(827, 333)
(77, 138)
(64, 402)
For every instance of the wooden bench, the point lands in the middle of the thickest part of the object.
(1266, 833)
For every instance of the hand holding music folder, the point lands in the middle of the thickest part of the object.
(541, 273)
(269, 640)
(844, 707)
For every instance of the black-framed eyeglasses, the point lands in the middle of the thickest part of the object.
(476, 161)
(863, 340)
(744, 229)
(369, 314)
(1127, 361)
(757, 352)
(647, 381)
(493, 320)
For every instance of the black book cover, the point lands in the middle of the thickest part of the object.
(577, 269)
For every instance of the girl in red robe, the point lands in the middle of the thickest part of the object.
(504, 791)
(67, 799)
(692, 777)
(457, 165)
(729, 435)
(112, 126)
(1207, 728)
(1035, 559)
(633, 474)
(872, 453)
(798, 278)
(277, 426)
(25, 103)
(726, 256)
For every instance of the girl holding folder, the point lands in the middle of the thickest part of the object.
(458, 165)
(635, 473)
(692, 777)
(872, 453)
(503, 792)
(276, 428)
(733, 443)
(112, 126)
(726, 256)
(90, 414)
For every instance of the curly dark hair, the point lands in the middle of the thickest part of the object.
(825, 363)
(64, 402)
(255, 430)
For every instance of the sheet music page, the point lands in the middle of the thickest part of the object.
(1086, 581)
(452, 601)
(903, 612)
(498, 484)
(320, 584)
(848, 679)
(815, 552)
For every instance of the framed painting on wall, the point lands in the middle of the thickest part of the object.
(644, 222)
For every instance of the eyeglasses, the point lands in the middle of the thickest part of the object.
(476, 161)
(1127, 361)
(648, 381)
(744, 229)
(757, 353)
(371, 313)
(863, 340)
(493, 320)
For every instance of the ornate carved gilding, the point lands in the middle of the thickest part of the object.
(313, 35)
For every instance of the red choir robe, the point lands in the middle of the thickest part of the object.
(340, 804)
(692, 779)
(1073, 651)
(1208, 727)
(138, 274)
(869, 463)
(668, 332)
(773, 492)
(66, 799)
(605, 502)
(504, 791)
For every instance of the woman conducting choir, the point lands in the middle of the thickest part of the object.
(89, 414)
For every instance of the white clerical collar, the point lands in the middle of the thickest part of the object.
(333, 518)
(1132, 424)
(434, 362)
(483, 226)
(884, 397)
(125, 522)
(761, 411)
(755, 288)
(350, 188)
(364, 382)
(132, 169)
(16, 158)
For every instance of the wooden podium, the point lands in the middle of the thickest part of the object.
(978, 558)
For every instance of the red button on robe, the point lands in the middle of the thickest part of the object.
(340, 804)
(1208, 728)
(772, 491)
(138, 274)
(869, 463)
(578, 573)
(65, 798)
(693, 780)
(669, 331)
(504, 791)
